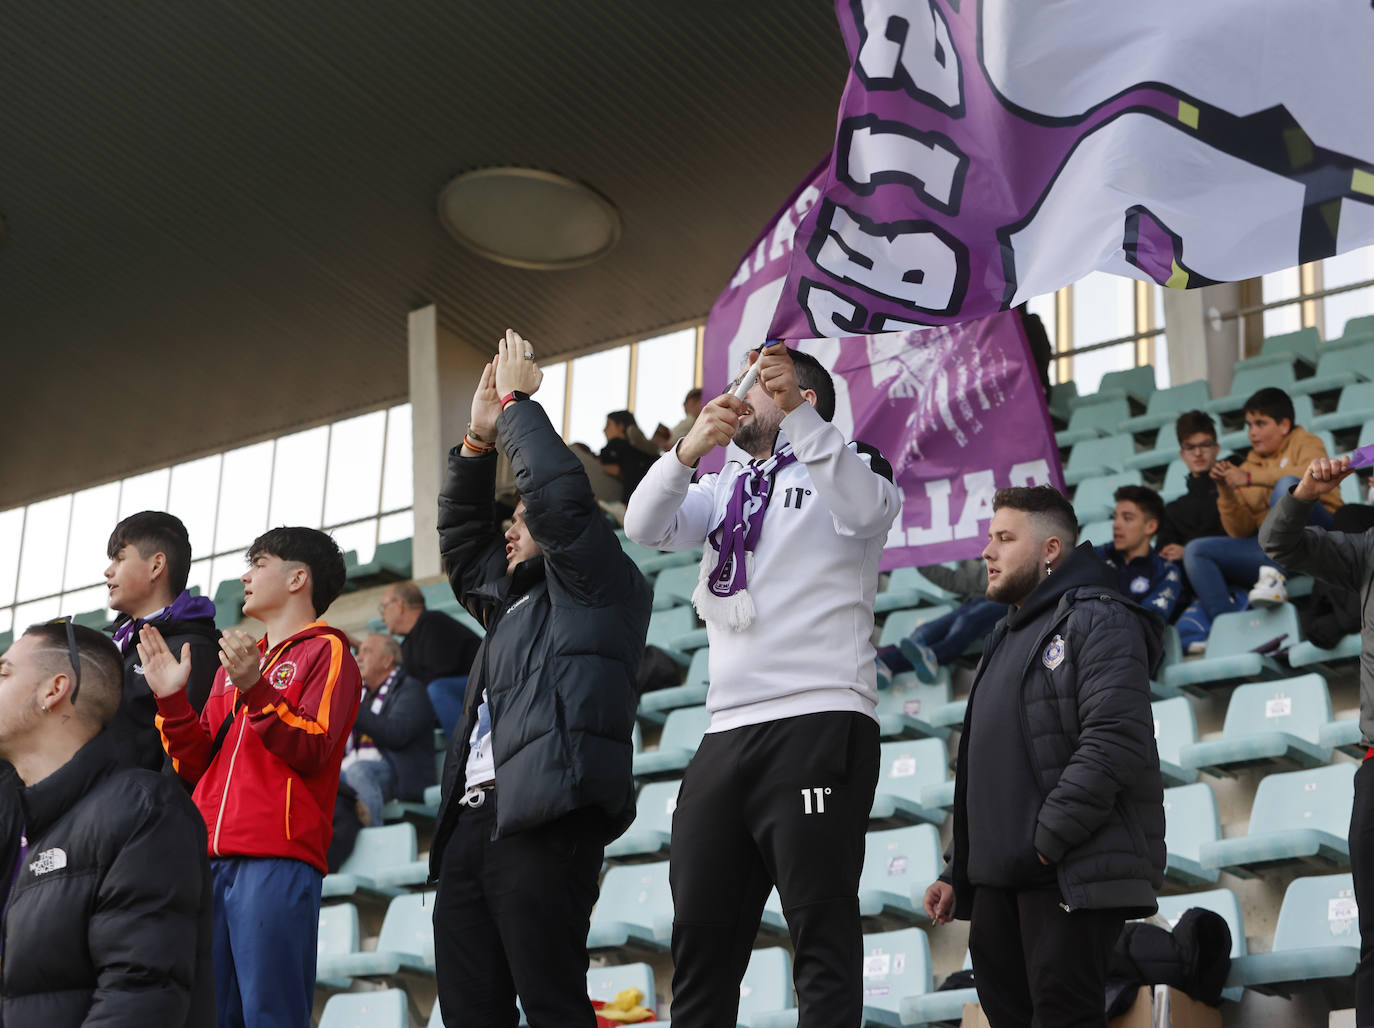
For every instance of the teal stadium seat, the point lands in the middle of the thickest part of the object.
(1060, 403)
(96, 619)
(1317, 937)
(906, 705)
(337, 936)
(1231, 646)
(1298, 818)
(896, 966)
(228, 602)
(1356, 331)
(652, 828)
(1338, 368)
(905, 770)
(1275, 725)
(1099, 533)
(1293, 348)
(654, 706)
(1355, 407)
(907, 587)
(1175, 481)
(1135, 385)
(1175, 727)
(384, 859)
(1190, 819)
(6, 638)
(901, 623)
(1092, 500)
(682, 732)
(635, 910)
(391, 562)
(1173, 654)
(676, 584)
(766, 986)
(406, 943)
(1090, 420)
(1165, 406)
(899, 864)
(1246, 382)
(1094, 457)
(1219, 901)
(942, 1006)
(1344, 735)
(605, 983)
(385, 1008)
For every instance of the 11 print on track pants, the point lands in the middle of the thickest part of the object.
(784, 802)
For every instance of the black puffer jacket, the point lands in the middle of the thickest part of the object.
(1081, 653)
(109, 919)
(565, 634)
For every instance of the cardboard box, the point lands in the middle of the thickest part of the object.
(1160, 1007)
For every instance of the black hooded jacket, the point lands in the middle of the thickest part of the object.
(109, 918)
(565, 635)
(1066, 752)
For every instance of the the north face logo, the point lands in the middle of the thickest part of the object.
(49, 860)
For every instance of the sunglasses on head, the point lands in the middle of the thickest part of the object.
(72, 652)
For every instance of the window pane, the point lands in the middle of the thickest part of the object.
(199, 578)
(6, 622)
(1162, 378)
(194, 493)
(601, 384)
(397, 526)
(1088, 368)
(1047, 307)
(243, 496)
(222, 569)
(298, 478)
(36, 613)
(664, 373)
(11, 528)
(1343, 270)
(553, 391)
(1103, 308)
(45, 544)
(143, 492)
(355, 468)
(398, 474)
(360, 538)
(1281, 285)
(91, 598)
(93, 518)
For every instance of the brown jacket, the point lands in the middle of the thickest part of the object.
(1243, 510)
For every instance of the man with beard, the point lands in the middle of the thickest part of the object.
(780, 789)
(1058, 802)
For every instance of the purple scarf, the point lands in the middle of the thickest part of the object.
(184, 608)
(722, 594)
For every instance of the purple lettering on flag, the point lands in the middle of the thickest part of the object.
(989, 151)
(958, 411)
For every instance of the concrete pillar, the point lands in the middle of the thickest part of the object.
(444, 371)
(1203, 342)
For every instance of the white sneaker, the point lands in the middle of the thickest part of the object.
(1269, 589)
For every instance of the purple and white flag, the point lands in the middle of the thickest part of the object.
(957, 410)
(989, 151)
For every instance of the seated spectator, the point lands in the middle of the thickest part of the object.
(1141, 573)
(108, 918)
(1220, 570)
(665, 437)
(627, 454)
(436, 650)
(941, 642)
(1193, 515)
(391, 752)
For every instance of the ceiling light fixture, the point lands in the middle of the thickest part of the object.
(529, 219)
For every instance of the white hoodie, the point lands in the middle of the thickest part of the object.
(813, 577)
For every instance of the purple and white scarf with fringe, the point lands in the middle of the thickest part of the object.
(722, 594)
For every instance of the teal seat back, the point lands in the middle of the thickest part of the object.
(679, 581)
(1250, 380)
(1302, 343)
(901, 860)
(699, 671)
(1242, 630)
(408, 926)
(1107, 452)
(1358, 396)
(896, 964)
(910, 696)
(1103, 416)
(1175, 727)
(338, 930)
(667, 625)
(380, 1009)
(1318, 911)
(1319, 799)
(1177, 399)
(635, 894)
(903, 579)
(1190, 818)
(767, 983)
(655, 805)
(684, 728)
(1138, 382)
(381, 847)
(1099, 533)
(1298, 706)
(605, 983)
(1348, 360)
(901, 623)
(907, 766)
(1093, 497)
(1175, 481)
(1220, 901)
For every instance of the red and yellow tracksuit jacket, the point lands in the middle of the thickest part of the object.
(270, 789)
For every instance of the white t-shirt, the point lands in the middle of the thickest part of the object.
(481, 765)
